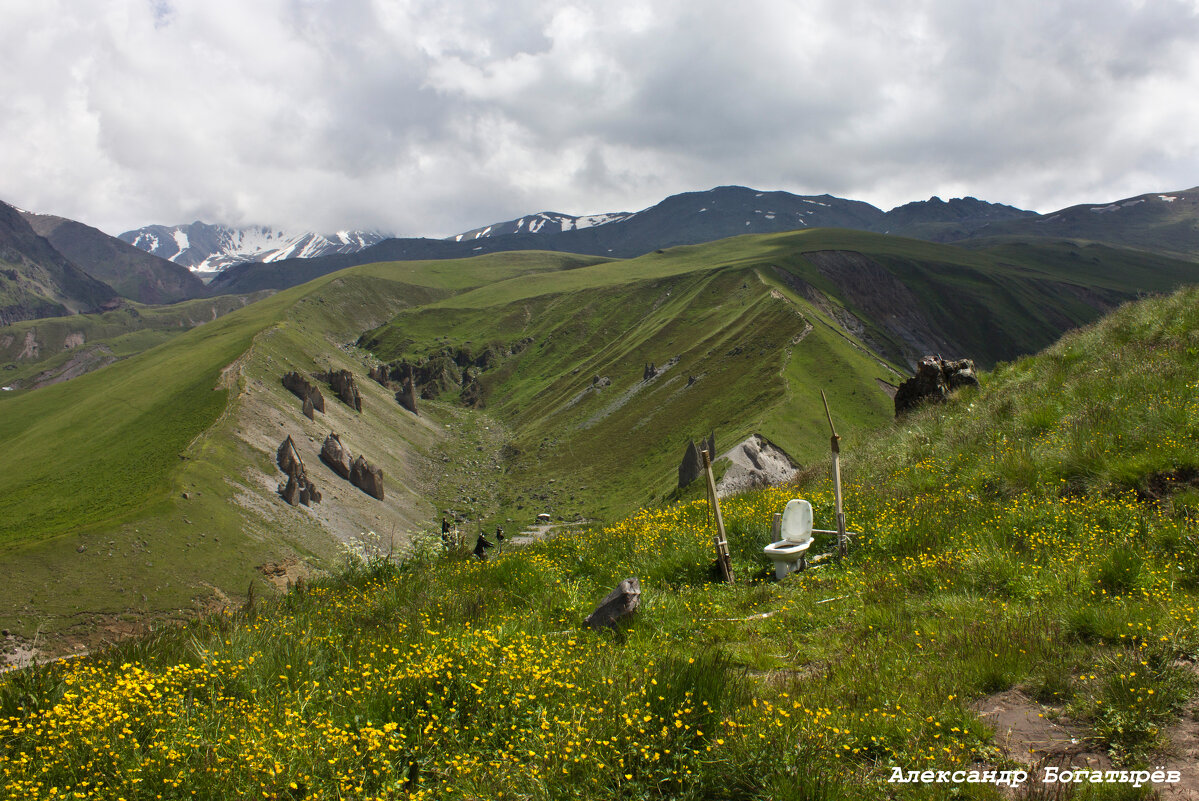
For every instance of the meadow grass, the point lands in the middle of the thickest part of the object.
(445, 677)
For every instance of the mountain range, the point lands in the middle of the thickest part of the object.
(1160, 223)
(162, 264)
(205, 248)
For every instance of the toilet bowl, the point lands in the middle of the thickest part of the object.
(788, 554)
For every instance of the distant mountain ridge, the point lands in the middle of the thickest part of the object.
(133, 273)
(38, 281)
(205, 248)
(732, 210)
(685, 219)
(1162, 222)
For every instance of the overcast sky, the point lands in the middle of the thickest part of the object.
(430, 117)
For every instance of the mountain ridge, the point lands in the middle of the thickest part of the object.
(210, 248)
(134, 273)
(37, 280)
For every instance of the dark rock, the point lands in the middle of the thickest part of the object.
(472, 390)
(299, 386)
(935, 378)
(692, 466)
(298, 488)
(290, 491)
(337, 456)
(407, 396)
(287, 457)
(650, 371)
(620, 603)
(379, 373)
(367, 478)
(345, 387)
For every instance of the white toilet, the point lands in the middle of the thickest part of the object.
(788, 554)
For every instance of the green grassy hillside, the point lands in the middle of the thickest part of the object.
(592, 437)
(1071, 602)
(37, 352)
(94, 470)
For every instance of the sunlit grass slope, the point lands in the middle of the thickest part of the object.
(448, 677)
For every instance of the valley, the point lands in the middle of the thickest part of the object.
(566, 418)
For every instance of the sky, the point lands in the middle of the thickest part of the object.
(428, 118)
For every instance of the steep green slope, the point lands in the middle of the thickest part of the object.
(149, 484)
(592, 435)
(1110, 408)
(745, 332)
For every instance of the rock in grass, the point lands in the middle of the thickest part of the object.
(692, 466)
(407, 396)
(346, 388)
(298, 488)
(309, 393)
(935, 378)
(620, 603)
(337, 456)
(367, 478)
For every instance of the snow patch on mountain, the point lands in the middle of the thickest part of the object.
(535, 223)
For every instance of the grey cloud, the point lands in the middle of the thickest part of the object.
(424, 117)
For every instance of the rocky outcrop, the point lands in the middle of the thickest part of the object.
(298, 488)
(309, 393)
(337, 456)
(935, 378)
(692, 466)
(309, 409)
(472, 391)
(367, 478)
(755, 462)
(649, 372)
(407, 396)
(618, 604)
(440, 374)
(379, 373)
(345, 387)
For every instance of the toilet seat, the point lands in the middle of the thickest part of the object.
(789, 552)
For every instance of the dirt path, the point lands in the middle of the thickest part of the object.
(1033, 734)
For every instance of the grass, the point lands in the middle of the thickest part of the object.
(443, 676)
(126, 331)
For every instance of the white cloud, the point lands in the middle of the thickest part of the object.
(425, 117)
